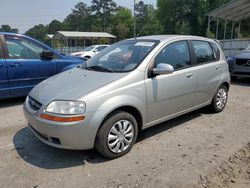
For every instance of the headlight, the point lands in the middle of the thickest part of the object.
(66, 107)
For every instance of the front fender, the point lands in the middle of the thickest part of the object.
(116, 102)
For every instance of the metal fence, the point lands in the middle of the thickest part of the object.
(234, 46)
(69, 50)
(230, 47)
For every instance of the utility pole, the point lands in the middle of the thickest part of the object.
(134, 22)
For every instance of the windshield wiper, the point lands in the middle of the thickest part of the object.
(98, 68)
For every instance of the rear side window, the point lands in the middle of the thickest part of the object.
(216, 50)
(176, 54)
(203, 51)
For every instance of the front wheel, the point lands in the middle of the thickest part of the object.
(116, 135)
(220, 99)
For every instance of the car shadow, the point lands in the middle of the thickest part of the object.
(241, 82)
(4, 103)
(36, 153)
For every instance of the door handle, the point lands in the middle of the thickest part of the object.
(189, 75)
(1, 65)
(217, 67)
(15, 65)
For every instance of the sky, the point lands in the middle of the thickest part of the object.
(24, 14)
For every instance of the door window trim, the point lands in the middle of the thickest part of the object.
(195, 59)
(152, 63)
(2, 56)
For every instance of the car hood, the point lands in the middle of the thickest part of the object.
(71, 85)
(243, 55)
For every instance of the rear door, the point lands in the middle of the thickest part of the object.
(4, 84)
(25, 67)
(208, 68)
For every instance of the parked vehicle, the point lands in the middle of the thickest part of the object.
(239, 65)
(90, 51)
(127, 87)
(24, 62)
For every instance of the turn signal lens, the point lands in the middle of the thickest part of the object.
(62, 119)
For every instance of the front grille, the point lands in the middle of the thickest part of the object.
(243, 62)
(242, 73)
(35, 105)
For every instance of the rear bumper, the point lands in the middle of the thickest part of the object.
(77, 135)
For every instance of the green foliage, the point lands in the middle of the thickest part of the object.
(186, 16)
(170, 17)
(7, 28)
(146, 20)
(103, 9)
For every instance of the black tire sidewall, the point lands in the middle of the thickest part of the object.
(101, 143)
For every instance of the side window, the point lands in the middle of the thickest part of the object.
(100, 48)
(203, 51)
(176, 54)
(22, 49)
(216, 50)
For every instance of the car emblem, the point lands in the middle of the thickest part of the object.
(248, 62)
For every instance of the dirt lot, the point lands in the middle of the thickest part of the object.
(196, 150)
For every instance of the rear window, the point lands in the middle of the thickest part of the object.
(203, 51)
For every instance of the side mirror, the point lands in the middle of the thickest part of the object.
(95, 50)
(163, 68)
(47, 55)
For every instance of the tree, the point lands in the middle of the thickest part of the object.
(38, 32)
(146, 20)
(55, 26)
(103, 9)
(185, 17)
(7, 28)
(79, 19)
(122, 23)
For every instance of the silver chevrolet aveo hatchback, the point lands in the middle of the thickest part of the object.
(127, 87)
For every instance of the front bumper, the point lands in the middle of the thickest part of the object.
(77, 135)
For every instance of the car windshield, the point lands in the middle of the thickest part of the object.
(88, 48)
(248, 47)
(124, 56)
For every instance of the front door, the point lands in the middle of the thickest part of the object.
(25, 67)
(171, 94)
(4, 84)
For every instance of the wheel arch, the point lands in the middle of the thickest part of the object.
(129, 109)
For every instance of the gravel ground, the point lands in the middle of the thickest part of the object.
(199, 149)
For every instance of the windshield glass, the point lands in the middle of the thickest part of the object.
(248, 47)
(121, 57)
(88, 48)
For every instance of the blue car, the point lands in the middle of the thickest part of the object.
(24, 62)
(239, 65)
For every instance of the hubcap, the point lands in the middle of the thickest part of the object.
(120, 136)
(221, 98)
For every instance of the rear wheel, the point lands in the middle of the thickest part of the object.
(220, 99)
(117, 135)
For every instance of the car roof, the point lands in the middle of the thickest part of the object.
(171, 37)
(9, 33)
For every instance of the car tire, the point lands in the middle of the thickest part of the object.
(87, 57)
(117, 135)
(220, 99)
